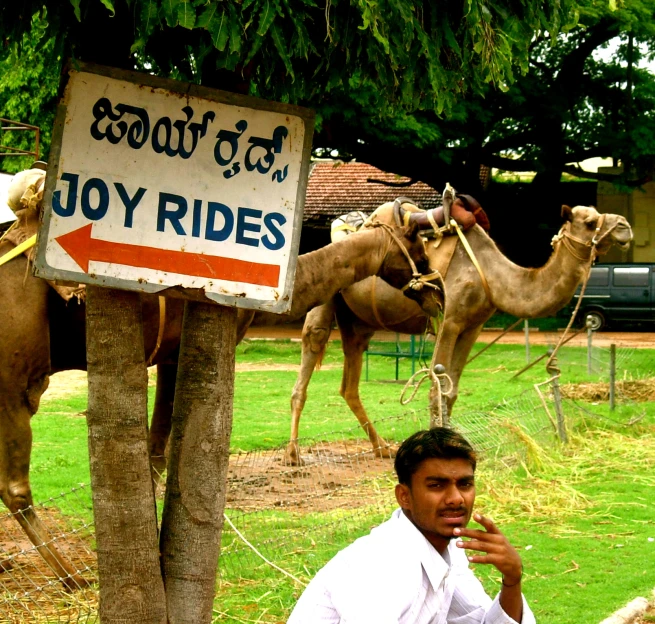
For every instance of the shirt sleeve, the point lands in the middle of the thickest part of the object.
(472, 605)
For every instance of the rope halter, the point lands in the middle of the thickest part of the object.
(418, 280)
(567, 239)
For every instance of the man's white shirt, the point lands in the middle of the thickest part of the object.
(395, 576)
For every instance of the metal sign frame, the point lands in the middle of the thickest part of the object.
(18, 126)
(281, 302)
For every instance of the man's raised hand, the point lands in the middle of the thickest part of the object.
(499, 552)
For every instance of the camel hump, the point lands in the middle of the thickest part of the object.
(346, 224)
(385, 212)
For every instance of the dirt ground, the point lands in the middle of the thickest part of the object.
(648, 617)
(644, 340)
(334, 475)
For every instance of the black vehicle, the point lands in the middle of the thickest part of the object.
(618, 294)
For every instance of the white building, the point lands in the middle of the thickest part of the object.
(5, 212)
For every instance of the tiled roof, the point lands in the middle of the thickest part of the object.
(335, 188)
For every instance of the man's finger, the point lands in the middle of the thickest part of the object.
(486, 522)
(481, 535)
(490, 559)
(487, 547)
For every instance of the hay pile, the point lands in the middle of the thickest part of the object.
(637, 390)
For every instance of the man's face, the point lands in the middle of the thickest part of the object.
(439, 499)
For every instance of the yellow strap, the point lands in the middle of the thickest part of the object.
(474, 260)
(160, 332)
(433, 223)
(345, 226)
(17, 251)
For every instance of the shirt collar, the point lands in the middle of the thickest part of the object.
(436, 567)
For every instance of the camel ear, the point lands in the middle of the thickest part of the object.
(412, 231)
(567, 213)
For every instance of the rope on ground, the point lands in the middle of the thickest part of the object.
(264, 559)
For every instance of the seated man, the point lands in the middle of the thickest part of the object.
(413, 569)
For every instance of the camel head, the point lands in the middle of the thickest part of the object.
(588, 227)
(398, 272)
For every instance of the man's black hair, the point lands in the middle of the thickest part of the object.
(439, 443)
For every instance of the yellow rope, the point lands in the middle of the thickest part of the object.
(474, 260)
(17, 251)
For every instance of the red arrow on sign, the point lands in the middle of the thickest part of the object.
(79, 245)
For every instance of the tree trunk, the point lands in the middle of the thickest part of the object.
(198, 461)
(131, 587)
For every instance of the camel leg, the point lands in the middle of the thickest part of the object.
(465, 342)
(354, 344)
(24, 371)
(315, 335)
(15, 490)
(445, 353)
(160, 426)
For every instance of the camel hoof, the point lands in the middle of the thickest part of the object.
(385, 451)
(292, 456)
(292, 460)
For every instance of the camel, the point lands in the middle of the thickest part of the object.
(370, 305)
(42, 334)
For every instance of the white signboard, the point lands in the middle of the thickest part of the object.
(156, 185)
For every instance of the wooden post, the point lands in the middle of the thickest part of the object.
(131, 587)
(526, 329)
(198, 461)
(612, 376)
(553, 369)
(590, 339)
(561, 424)
(438, 399)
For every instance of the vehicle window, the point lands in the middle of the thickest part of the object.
(631, 276)
(600, 276)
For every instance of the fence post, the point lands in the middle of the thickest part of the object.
(526, 329)
(590, 339)
(438, 401)
(612, 376)
(553, 370)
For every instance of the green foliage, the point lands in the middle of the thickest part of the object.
(565, 104)
(399, 54)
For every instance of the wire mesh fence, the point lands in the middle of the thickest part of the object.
(281, 514)
(30, 590)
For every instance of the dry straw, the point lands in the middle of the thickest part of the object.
(637, 390)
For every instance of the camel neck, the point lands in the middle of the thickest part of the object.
(321, 274)
(530, 292)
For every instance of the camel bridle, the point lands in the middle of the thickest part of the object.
(567, 239)
(418, 279)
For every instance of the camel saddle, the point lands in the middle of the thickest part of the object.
(463, 209)
(25, 198)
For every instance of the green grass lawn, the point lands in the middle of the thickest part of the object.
(582, 514)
